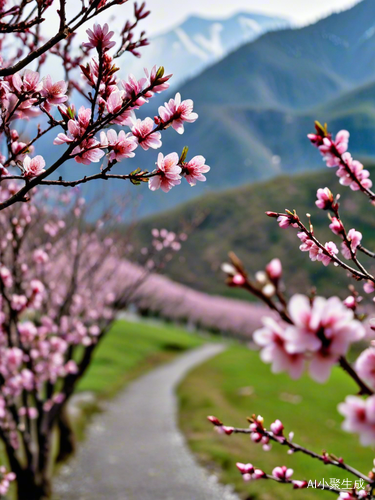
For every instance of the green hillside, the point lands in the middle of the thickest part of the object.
(235, 220)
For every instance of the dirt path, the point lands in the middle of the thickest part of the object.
(134, 451)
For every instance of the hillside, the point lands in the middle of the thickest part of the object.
(235, 220)
(257, 104)
(198, 43)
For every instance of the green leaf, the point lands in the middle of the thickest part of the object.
(183, 155)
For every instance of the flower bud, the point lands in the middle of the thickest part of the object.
(274, 270)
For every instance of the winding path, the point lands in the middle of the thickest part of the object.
(134, 451)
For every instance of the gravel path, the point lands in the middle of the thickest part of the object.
(134, 451)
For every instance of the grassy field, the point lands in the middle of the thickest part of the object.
(130, 349)
(236, 384)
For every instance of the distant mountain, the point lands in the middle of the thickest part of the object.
(198, 43)
(257, 104)
(235, 220)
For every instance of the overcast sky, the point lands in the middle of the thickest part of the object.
(168, 13)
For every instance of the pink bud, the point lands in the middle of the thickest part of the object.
(245, 468)
(214, 420)
(299, 484)
(238, 280)
(274, 269)
(258, 474)
(350, 302)
(228, 430)
(324, 199)
(256, 437)
(282, 473)
(336, 226)
(277, 428)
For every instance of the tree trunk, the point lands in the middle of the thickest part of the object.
(66, 438)
(29, 489)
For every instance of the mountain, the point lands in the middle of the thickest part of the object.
(198, 43)
(235, 220)
(258, 103)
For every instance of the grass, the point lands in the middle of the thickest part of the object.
(236, 384)
(130, 349)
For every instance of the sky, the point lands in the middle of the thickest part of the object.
(169, 13)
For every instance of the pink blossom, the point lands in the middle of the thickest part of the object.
(282, 473)
(33, 167)
(76, 128)
(151, 79)
(142, 130)
(18, 302)
(115, 101)
(331, 249)
(176, 112)
(336, 226)
(194, 170)
(120, 146)
(324, 329)
(245, 468)
(100, 38)
(88, 151)
(6, 276)
(134, 88)
(40, 256)
(325, 199)
(369, 287)
(274, 269)
(286, 221)
(309, 246)
(54, 93)
(354, 238)
(357, 170)
(273, 342)
(169, 173)
(359, 417)
(17, 147)
(365, 366)
(331, 150)
(27, 330)
(28, 83)
(3, 170)
(36, 286)
(342, 141)
(277, 428)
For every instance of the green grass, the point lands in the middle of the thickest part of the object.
(128, 350)
(237, 384)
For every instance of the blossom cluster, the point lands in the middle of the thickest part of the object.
(321, 331)
(315, 332)
(106, 129)
(335, 154)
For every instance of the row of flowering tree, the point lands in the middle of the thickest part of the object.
(159, 296)
(62, 282)
(315, 333)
